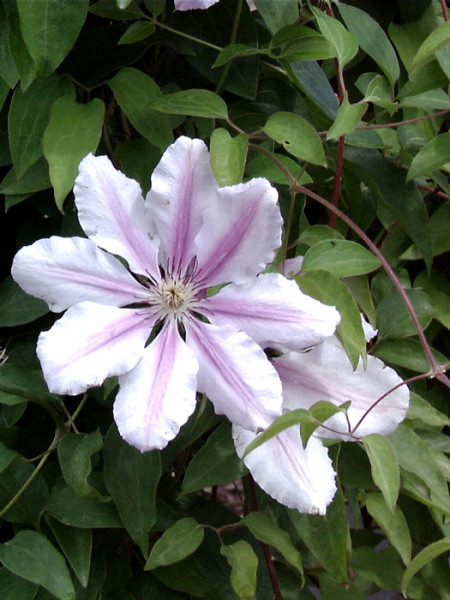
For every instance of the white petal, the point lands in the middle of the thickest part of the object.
(369, 331)
(183, 186)
(273, 311)
(158, 396)
(90, 343)
(193, 4)
(65, 271)
(111, 211)
(325, 373)
(301, 478)
(235, 375)
(240, 234)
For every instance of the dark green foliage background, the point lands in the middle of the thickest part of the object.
(83, 515)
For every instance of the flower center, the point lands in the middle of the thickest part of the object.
(175, 296)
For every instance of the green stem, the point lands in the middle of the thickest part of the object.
(185, 35)
(36, 471)
(233, 37)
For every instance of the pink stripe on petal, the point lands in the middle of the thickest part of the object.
(112, 213)
(273, 311)
(158, 396)
(183, 186)
(235, 375)
(90, 343)
(65, 271)
(240, 234)
(326, 374)
(300, 478)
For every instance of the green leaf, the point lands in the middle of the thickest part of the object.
(440, 240)
(8, 70)
(262, 166)
(403, 325)
(77, 547)
(136, 32)
(70, 509)
(430, 101)
(349, 117)
(359, 288)
(277, 14)
(372, 39)
(28, 117)
(267, 530)
(34, 180)
(33, 500)
(393, 524)
(297, 136)
(74, 453)
(376, 89)
(326, 536)
(293, 417)
(195, 102)
(13, 587)
(318, 233)
(244, 563)
(312, 81)
(384, 467)
(17, 307)
(176, 543)
(50, 29)
(298, 42)
(407, 353)
(330, 589)
(215, 463)
(340, 257)
(23, 383)
(233, 51)
(30, 555)
(6, 456)
(320, 411)
(420, 560)
(131, 478)
(138, 158)
(421, 409)
(437, 286)
(437, 39)
(228, 156)
(434, 155)
(134, 91)
(387, 182)
(414, 456)
(343, 41)
(64, 147)
(330, 290)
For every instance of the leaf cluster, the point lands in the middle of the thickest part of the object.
(344, 108)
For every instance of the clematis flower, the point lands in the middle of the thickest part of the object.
(202, 4)
(377, 405)
(153, 324)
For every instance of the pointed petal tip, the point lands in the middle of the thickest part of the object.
(306, 481)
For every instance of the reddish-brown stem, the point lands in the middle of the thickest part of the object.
(405, 122)
(253, 502)
(397, 123)
(405, 382)
(436, 370)
(444, 9)
(337, 179)
(433, 192)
